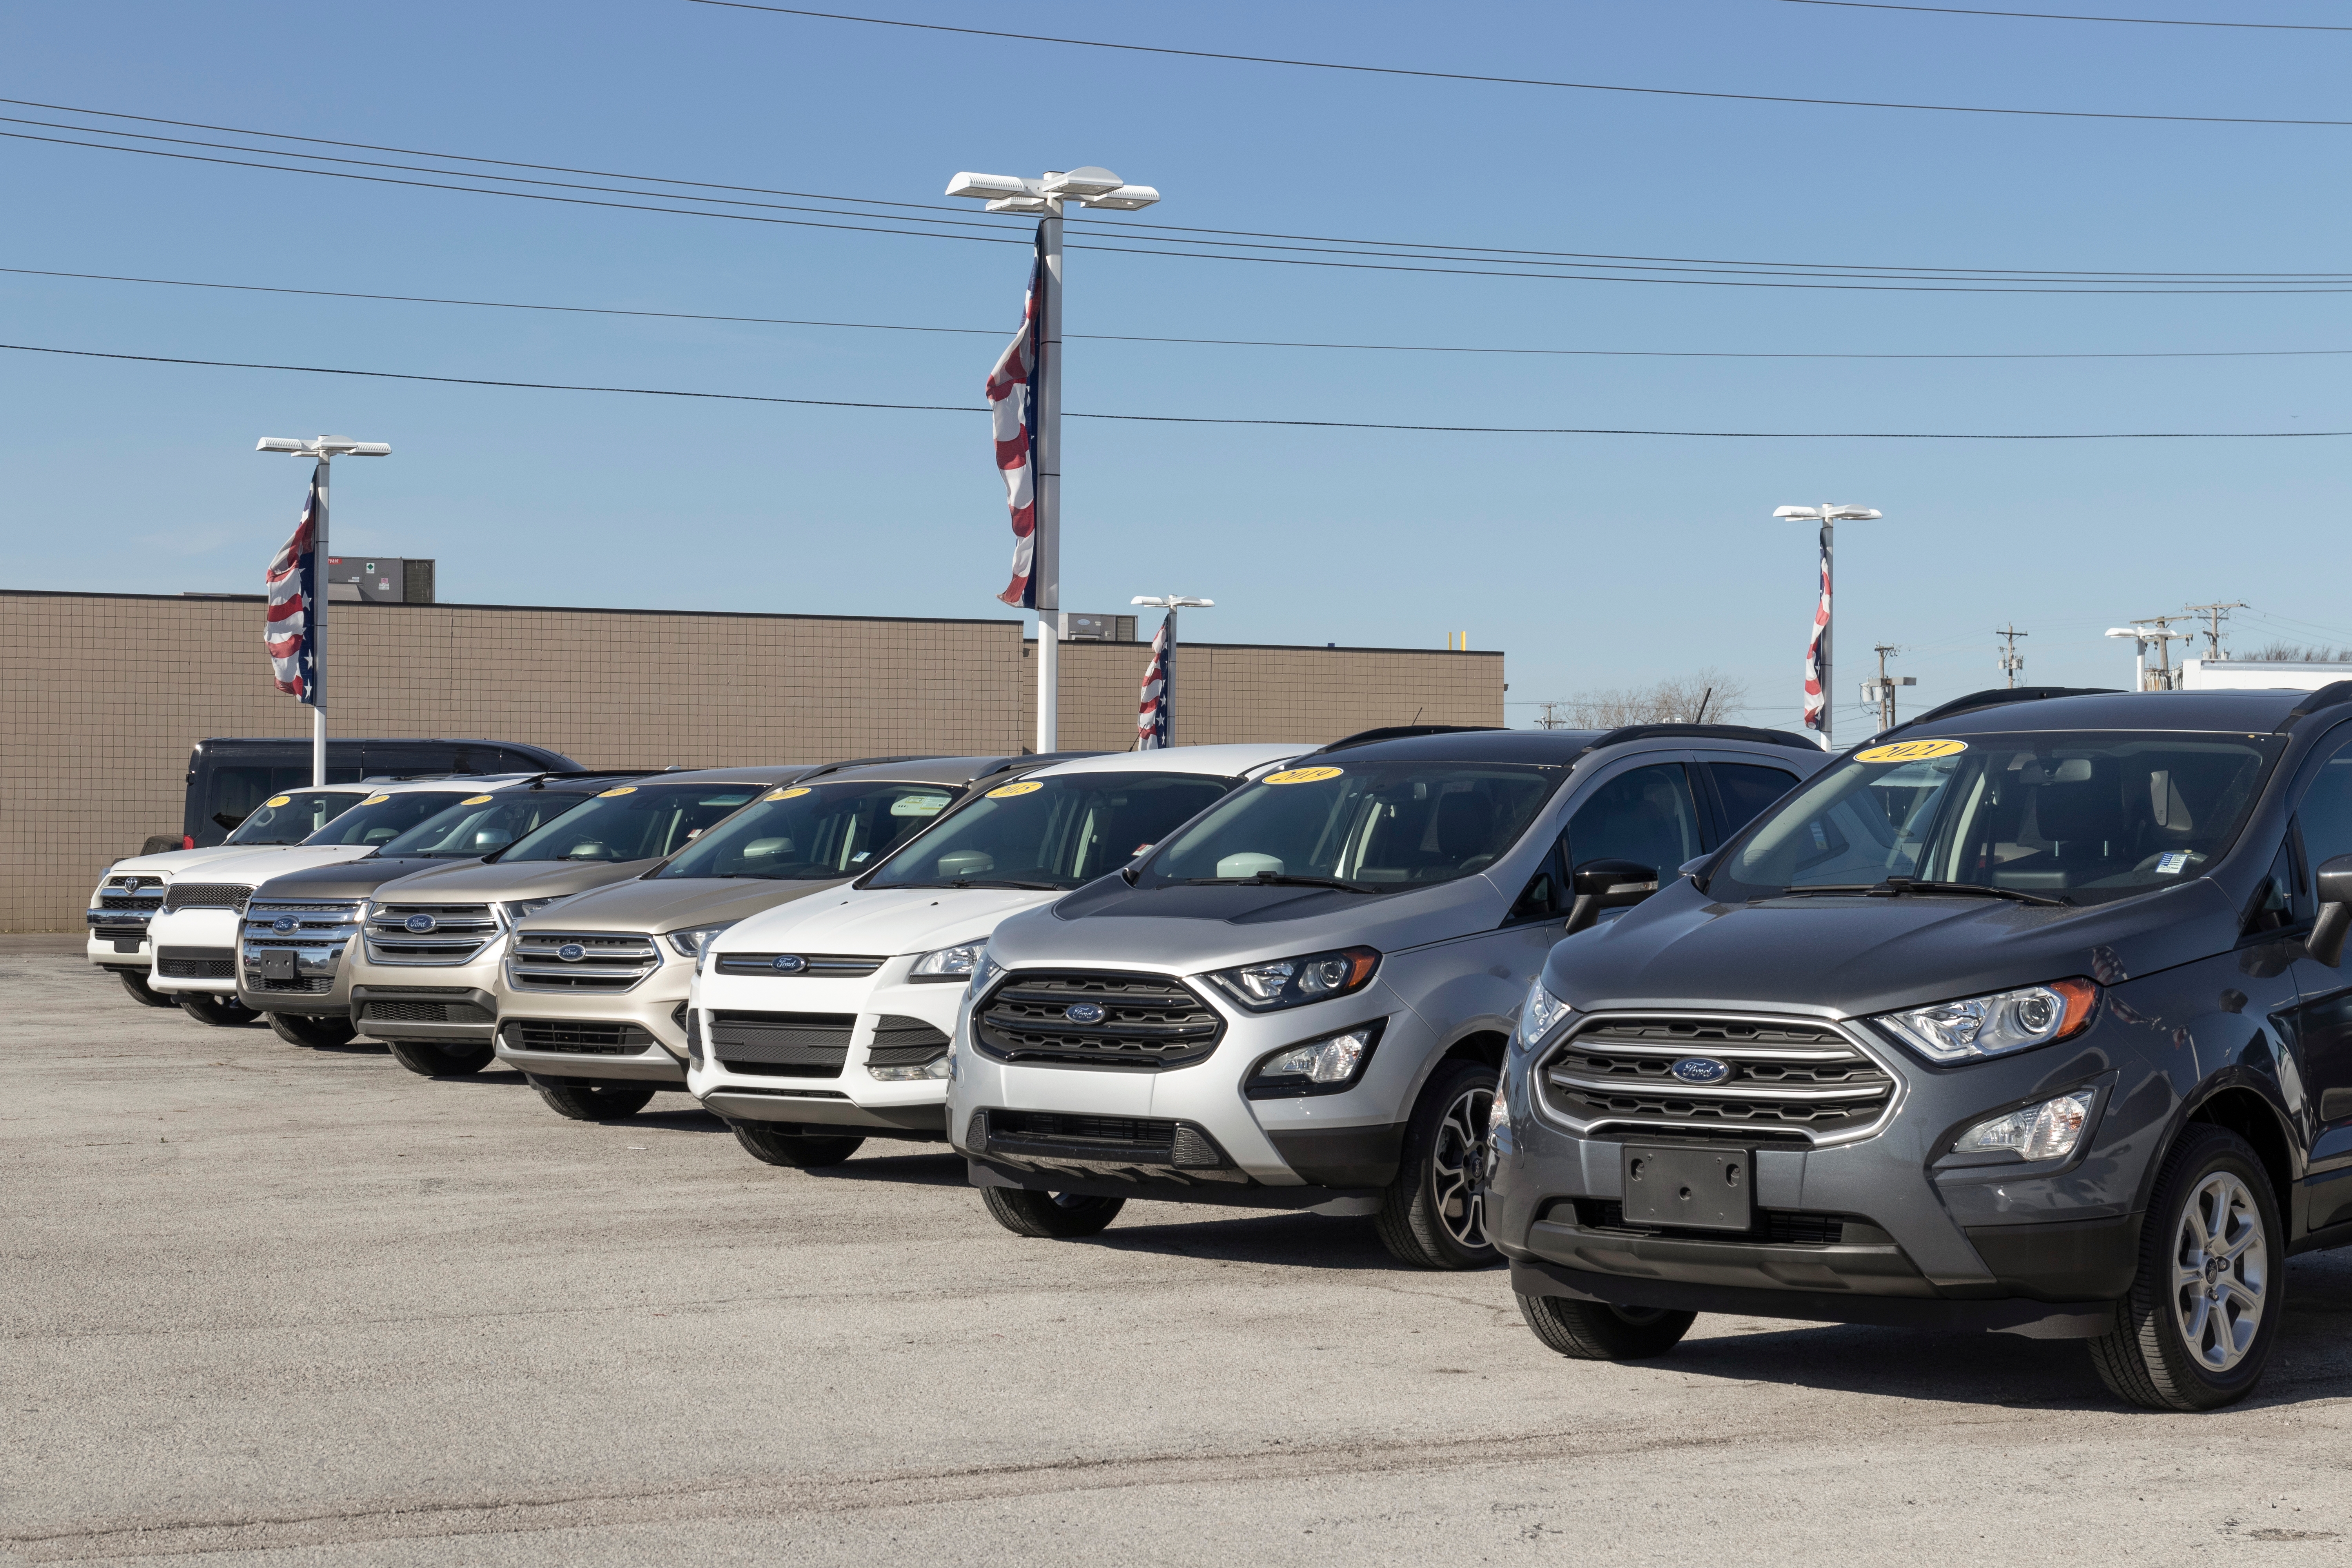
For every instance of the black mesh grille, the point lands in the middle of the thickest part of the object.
(424, 1013)
(195, 962)
(145, 902)
(583, 1038)
(306, 985)
(901, 1042)
(781, 1044)
(208, 896)
(1775, 1227)
(1116, 1141)
(1127, 1020)
(1789, 1080)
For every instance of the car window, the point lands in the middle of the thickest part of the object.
(294, 816)
(1647, 815)
(1748, 789)
(2324, 813)
(483, 824)
(813, 833)
(1052, 832)
(379, 818)
(633, 822)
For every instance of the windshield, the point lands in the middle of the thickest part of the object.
(1373, 825)
(813, 832)
(483, 824)
(2082, 818)
(1052, 832)
(634, 822)
(293, 816)
(379, 818)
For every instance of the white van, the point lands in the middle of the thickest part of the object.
(824, 1022)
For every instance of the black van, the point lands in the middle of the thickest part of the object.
(2028, 1016)
(228, 777)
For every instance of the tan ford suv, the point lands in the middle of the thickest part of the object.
(591, 999)
(429, 948)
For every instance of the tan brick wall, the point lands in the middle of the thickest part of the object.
(101, 697)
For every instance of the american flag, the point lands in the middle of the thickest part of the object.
(1816, 703)
(1151, 714)
(292, 582)
(1013, 405)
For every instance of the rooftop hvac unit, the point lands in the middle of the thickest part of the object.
(379, 580)
(1101, 629)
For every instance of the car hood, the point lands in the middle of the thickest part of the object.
(1854, 955)
(242, 863)
(886, 920)
(673, 903)
(352, 878)
(1191, 928)
(180, 862)
(470, 880)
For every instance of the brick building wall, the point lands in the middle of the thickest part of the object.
(102, 695)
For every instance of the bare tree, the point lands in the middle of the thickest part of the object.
(2290, 653)
(1708, 695)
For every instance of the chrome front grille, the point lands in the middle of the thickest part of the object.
(1082, 1019)
(127, 901)
(1790, 1081)
(580, 960)
(311, 933)
(208, 896)
(811, 965)
(451, 933)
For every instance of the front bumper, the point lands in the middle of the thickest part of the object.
(193, 949)
(636, 1035)
(432, 1004)
(883, 1003)
(118, 939)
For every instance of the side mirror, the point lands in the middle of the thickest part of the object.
(1611, 885)
(2326, 944)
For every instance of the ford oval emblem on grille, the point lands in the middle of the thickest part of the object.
(1701, 1069)
(1084, 1013)
(572, 953)
(789, 964)
(420, 924)
(283, 925)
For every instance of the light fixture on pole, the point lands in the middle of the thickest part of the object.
(1155, 723)
(1045, 198)
(2163, 636)
(325, 449)
(1818, 685)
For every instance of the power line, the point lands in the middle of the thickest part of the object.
(1142, 338)
(1522, 82)
(1203, 419)
(2068, 16)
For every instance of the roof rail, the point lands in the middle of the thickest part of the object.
(858, 763)
(1403, 732)
(2331, 694)
(1995, 697)
(1029, 761)
(539, 781)
(1625, 733)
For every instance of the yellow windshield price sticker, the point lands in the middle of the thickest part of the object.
(625, 789)
(1303, 776)
(279, 800)
(792, 794)
(1006, 791)
(375, 800)
(1911, 751)
(476, 800)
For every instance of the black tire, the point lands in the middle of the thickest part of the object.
(591, 1101)
(1059, 1216)
(142, 993)
(2182, 1339)
(1434, 1216)
(220, 1012)
(309, 1029)
(431, 1060)
(800, 1151)
(1594, 1330)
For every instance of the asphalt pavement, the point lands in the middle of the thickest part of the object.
(272, 1305)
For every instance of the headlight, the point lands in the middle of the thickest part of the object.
(1997, 1024)
(1537, 1015)
(1295, 981)
(2045, 1132)
(985, 971)
(956, 963)
(691, 942)
(520, 907)
(1328, 1066)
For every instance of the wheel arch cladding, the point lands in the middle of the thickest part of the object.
(2251, 1117)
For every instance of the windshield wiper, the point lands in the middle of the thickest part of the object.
(1896, 887)
(991, 882)
(1281, 879)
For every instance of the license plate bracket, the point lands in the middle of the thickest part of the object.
(1690, 1187)
(274, 963)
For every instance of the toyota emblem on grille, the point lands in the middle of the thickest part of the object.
(1084, 1013)
(420, 924)
(283, 925)
(1701, 1069)
(572, 953)
(789, 964)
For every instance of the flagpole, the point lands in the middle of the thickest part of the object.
(318, 629)
(1047, 543)
(1829, 629)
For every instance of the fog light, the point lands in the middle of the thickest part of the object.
(2045, 1132)
(937, 1069)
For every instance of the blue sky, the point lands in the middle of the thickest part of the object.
(1594, 561)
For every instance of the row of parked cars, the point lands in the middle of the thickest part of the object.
(2027, 1018)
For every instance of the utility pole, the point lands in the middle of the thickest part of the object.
(2160, 679)
(1882, 691)
(2013, 663)
(2215, 615)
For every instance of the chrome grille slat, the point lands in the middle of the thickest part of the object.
(820, 965)
(1791, 1080)
(461, 931)
(609, 960)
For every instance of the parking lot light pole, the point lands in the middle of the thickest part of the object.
(325, 449)
(1829, 515)
(1044, 198)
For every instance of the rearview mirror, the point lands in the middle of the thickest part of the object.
(1607, 885)
(2326, 944)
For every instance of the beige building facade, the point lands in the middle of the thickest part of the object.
(102, 695)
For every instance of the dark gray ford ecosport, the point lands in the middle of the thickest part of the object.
(2028, 1016)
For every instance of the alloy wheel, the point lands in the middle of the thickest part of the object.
(1457, 1163)
(2219, 1271)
